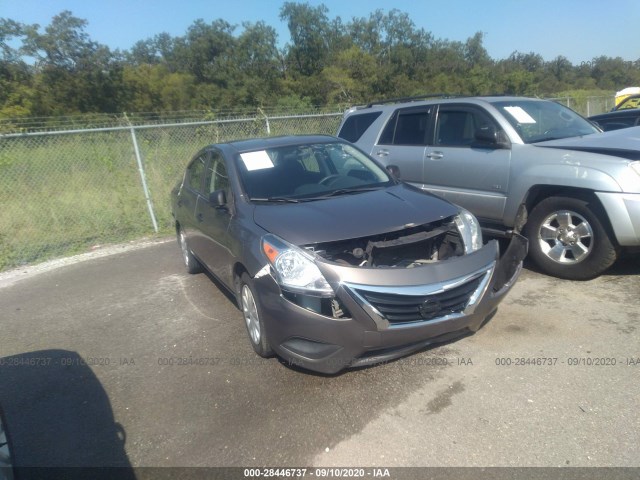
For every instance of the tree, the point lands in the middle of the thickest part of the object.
(257, 51)
(309, 29)
(614, 73)
(207, 50)
(58, 69)
(16, 90)
(474, 52)
(64, 43)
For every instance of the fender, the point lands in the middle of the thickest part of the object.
(571, 176)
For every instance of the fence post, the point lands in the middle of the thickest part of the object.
(142, 176)
(266, 119)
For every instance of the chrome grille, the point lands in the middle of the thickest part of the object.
(397, 308)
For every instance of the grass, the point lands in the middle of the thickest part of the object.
(62, 194)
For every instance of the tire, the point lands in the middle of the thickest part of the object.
(191, 263)
(568, 240)
(252, 314)
(6, 462)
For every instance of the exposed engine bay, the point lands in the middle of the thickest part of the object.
(407, 248)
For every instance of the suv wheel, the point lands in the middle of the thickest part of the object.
(567, 240)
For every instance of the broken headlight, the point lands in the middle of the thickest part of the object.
(294, 267)
(469, 229)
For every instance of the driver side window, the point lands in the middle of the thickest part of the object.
(457, 127)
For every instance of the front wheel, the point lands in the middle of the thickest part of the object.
(253, 318)
(568, 240)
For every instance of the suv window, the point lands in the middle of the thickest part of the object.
(456, 127)
(355, 125)
(407, 126)
(196, 173)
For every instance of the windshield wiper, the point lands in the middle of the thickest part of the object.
(276, 200)
(345, 191)
(547, 139)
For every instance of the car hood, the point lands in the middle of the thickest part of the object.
(353, 215)
(623, 143)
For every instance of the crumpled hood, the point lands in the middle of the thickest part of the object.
(623, 143)
(353, 215)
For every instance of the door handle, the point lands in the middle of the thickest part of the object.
(200, 217)
(434, 155)
(382, 153)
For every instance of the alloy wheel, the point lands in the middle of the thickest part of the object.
(566, 237)
(250, 311)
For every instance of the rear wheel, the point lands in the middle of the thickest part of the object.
(568, 240)
(192, 264)
(253, 318)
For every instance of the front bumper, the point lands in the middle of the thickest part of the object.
(391, 312)
(623, 210)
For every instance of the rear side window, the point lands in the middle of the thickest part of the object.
(217, 178)
(355, 125)
(406, 127)
(196, 174)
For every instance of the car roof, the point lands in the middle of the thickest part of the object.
(254, 144)
(419, 101)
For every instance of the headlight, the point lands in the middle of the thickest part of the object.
(635, 166)
(470, 232)
(294, 267)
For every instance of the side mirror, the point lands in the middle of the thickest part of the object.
(489, 137)
(218, 198)
(394, 171)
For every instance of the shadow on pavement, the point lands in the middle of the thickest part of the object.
(628, 263)
(59, 419)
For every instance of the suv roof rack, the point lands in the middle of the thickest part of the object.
(412, 99)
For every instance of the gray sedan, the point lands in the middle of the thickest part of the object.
(333, 261)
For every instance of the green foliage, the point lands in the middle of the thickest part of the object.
(218, 66)
(65, 193)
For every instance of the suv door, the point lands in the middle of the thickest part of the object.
(463, 170)
(403, 142)
(213, 220)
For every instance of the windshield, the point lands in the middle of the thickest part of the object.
(309, 171)
(629, 102)
(538, 121)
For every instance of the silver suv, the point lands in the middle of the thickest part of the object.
(517, 164)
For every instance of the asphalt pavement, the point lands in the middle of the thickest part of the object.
(127, 360)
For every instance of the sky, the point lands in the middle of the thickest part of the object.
(579, 30)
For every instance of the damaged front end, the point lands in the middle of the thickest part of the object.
(364, 300)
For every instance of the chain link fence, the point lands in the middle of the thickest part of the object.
(65, 192)
(587, 106)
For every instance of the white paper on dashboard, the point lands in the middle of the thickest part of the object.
(520, 115)
(256, 160)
